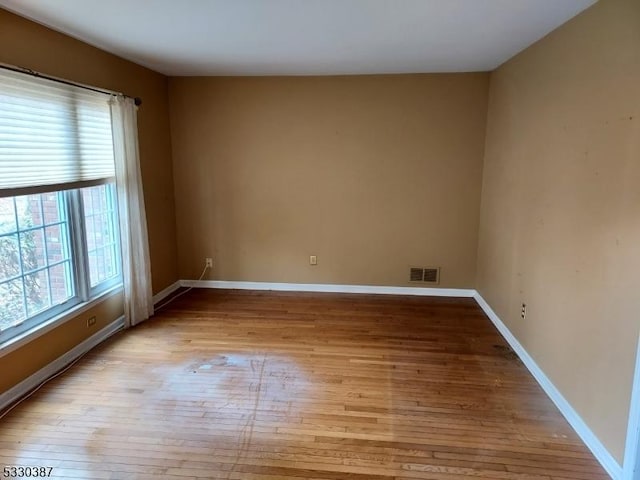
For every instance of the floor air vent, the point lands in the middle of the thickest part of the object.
(425, 275)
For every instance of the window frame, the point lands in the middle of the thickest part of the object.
(112, 201)
(83, 293)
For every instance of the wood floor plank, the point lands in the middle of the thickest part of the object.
(296, 386)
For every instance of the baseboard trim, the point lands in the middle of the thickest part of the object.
(584, 432)
(31, 382)
(330, 288)
(162, 294)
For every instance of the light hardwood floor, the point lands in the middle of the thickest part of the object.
(258, 385)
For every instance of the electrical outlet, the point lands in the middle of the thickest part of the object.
(523, 312)
(91, 321)
(313, 260)
(208, 262)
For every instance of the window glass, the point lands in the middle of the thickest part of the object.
(101, 228)
(35, 260)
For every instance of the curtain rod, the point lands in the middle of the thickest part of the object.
(28, 71)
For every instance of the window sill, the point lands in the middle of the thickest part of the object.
(30, 335)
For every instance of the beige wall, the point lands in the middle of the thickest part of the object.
(560, 222)
(30, 45)
(372, 174)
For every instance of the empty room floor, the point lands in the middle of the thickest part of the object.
(263, 385)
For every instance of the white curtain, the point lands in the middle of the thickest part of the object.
(136, 265)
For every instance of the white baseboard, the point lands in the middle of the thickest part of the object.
(28, 384)
(584, 432)
(330, 288)
(162, 294)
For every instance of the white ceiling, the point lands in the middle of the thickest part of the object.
(305, 37)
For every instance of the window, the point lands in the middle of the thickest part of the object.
(59, 237)
(41, 263)
(35, 262)
(101, 233)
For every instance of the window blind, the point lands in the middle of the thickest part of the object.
(52, 136)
